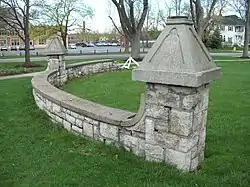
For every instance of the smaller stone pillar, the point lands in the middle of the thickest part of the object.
(177, 70)
(55, 52)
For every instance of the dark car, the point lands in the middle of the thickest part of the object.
(4, 48)
(82, 44)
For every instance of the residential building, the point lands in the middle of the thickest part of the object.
(9, 36)
(232, 30)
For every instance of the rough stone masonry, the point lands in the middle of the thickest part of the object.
(170, 126)
(177, 70)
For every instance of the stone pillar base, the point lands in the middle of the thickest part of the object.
(175, 125)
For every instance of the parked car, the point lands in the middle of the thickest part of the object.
(4, 48)
(101, 44)
(32, 47)
(90, 45)
(115, 44)
(13, 48)
(72, 46)
(22, 47)
(82, 44)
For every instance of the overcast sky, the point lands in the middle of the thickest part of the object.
(100, 21)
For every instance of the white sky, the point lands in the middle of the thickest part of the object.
(100, 21)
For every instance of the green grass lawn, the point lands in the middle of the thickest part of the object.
(113, 89)
(36, 152)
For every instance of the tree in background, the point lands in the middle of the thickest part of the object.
(246, 38)
(16, 15)
(132, 21)
(201, 18)
(63, 14)
(154, 33)
(214, 41)
(240, 7)
(173, 8)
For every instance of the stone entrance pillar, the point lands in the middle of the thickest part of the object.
(55, 52)
(177, 70)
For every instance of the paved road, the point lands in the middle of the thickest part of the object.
(237, 54)
(83, 57)
(78, 50)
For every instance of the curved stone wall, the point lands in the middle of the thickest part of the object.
(83, 117)
(169, 127)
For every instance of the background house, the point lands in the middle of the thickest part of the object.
(232, 30)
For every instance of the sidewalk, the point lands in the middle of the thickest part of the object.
(19, 76)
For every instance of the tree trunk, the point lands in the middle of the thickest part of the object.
(64, 39)
(135, 46)
(27, 33)
(126, 45)
(27, 48)
(246, 40)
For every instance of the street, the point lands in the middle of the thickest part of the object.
(88, 53)
(78, 50)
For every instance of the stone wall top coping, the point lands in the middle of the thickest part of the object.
(178, 79)
(87, 108)
(78, 64)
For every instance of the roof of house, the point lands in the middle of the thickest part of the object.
(232, 20)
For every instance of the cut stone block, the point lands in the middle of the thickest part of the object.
(181, 123)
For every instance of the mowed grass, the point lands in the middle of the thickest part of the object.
(113, 89)
(36, 152)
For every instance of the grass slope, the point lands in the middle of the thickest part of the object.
(35, 152)
(113, 89)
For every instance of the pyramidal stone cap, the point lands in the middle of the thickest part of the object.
(55, 47)
(178, 57)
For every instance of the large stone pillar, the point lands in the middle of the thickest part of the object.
(177, 71)
(55, 52)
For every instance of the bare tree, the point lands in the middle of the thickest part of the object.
(63, 14)
(200, 18)
(246, 39)
(173, 8)
(131, 22)
(240, 7)
(177, 4)
(119, 30)
(16, 15)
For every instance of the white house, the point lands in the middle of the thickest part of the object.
(232, 30)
